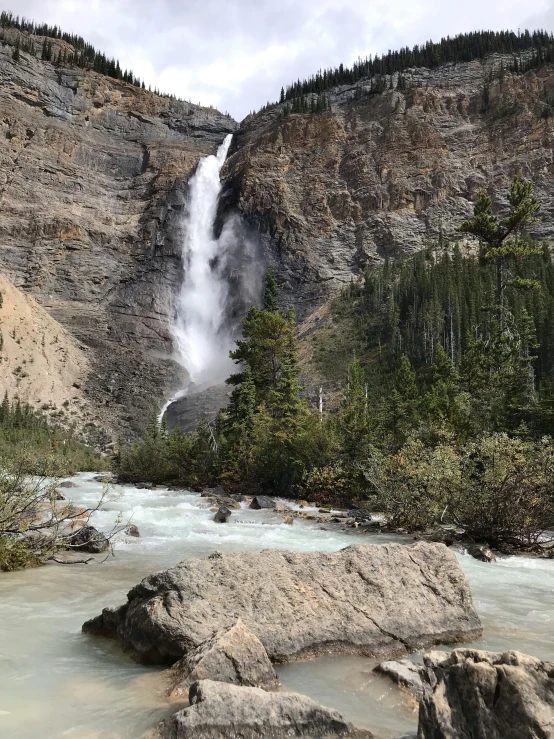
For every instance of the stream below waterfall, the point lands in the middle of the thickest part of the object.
(56, 682)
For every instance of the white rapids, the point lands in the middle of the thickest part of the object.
(56, 682)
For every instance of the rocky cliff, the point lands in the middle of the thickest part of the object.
(93, 176)
(381, 174)
(93, 184)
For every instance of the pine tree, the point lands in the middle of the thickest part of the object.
(270, 294)
(354, 413)
(502, 242)
(16, 53)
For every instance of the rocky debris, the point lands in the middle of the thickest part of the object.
(220, 710)
(488, 695)
(217, 492)
(419, 680)
(481, 552)
(132, 530)
(231, 656)
(372, 600)
(67, 484)
(222, 515)
(88, 539)
(262, 501)
(289, 520)
(219, 497)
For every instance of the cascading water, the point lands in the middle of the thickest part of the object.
(201, 337)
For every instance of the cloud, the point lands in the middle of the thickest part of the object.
(237, 55)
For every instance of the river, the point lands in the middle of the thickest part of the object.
(56, 682)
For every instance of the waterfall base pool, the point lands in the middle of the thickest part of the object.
(56, 682)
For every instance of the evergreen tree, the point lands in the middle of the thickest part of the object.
(270, 294)
(16, 53)
(354, 413)
(402, 413)
(502, 241)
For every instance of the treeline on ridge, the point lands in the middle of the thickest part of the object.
(464, 47)
(85, 55)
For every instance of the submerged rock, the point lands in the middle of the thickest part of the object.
(222, 515)
(67, 484)
(220, 710)
(489, 695)
(88, 539)
(232, 656)
(262, 501)
(419, 680)
(373, 600)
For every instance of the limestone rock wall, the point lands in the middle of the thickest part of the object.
(93, 177)
(382, 174)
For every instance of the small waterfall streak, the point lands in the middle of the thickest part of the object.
(200, 340)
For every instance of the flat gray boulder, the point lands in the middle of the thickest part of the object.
(373, 600)
(419, 680)
(231, 656)
(488, 696)
(219, 710)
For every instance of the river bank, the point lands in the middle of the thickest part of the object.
(85, 688)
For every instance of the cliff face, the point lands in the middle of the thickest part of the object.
(93, 177)
(93, 186)
(380, 174)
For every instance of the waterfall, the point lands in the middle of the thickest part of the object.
(222, 278)
(199, 341)
(201, 338)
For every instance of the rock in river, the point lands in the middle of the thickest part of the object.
(88, 539)
(373, 600)
(220, 710)
(223, 514)
(262, 501)
(231, 656)
(418, 680)
(488, 695)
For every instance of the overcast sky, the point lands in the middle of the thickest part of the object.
(235, 55)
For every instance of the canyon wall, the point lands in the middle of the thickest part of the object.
(93, 176)
(382, 174)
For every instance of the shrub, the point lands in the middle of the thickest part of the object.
(499, 489)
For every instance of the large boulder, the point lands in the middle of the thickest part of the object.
(488, 696)
(372, 600)
(220, 710)
(231, 656)
(88, 539)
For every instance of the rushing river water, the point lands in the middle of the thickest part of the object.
(57, 682)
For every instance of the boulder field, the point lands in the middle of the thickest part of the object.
(373, 600)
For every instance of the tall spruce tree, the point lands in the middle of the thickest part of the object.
(502, 241)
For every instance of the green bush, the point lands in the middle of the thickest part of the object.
(499, 489)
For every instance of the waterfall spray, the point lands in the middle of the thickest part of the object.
(200, 338)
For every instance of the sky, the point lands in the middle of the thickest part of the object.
(236, 54)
